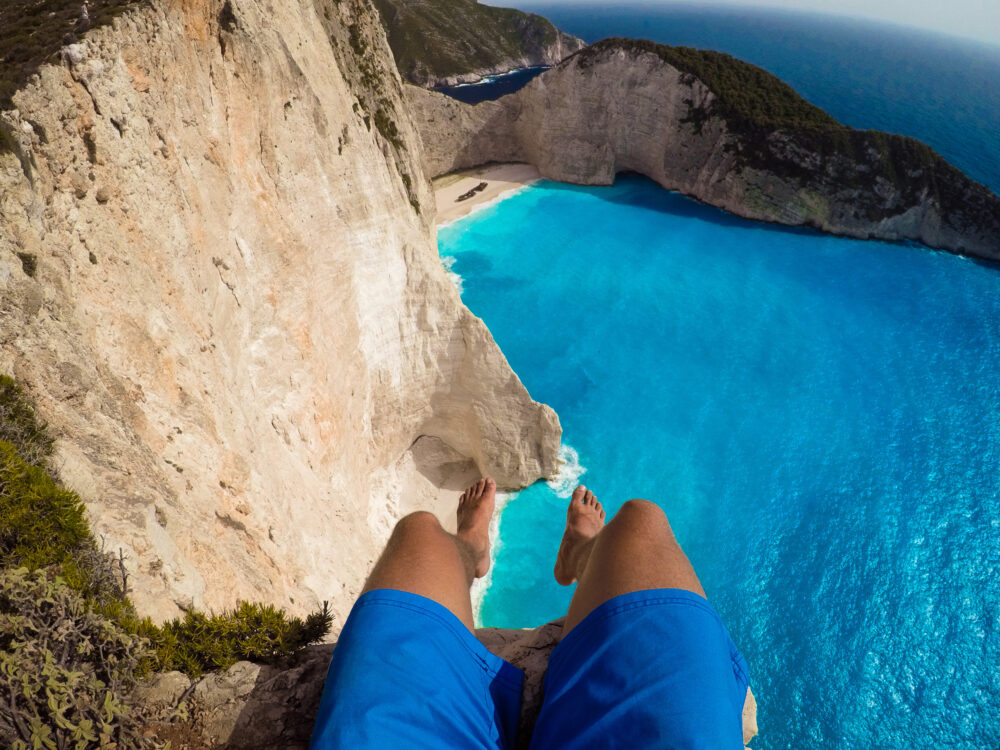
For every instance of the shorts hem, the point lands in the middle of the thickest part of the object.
(494, 666)
(638, 600)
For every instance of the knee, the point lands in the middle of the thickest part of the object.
(643, 513)
(419, 522)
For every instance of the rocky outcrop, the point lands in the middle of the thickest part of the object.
(443, 43)
(249, 706)
(219, 280)
(719, 130)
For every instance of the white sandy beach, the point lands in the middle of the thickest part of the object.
(500, 179)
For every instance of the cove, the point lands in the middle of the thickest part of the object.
(818, 417)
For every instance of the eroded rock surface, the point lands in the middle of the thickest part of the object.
(234, 317)
(248, 706)
(620, 106)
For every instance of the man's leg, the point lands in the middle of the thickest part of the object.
(422, 558)
(635, 551)
(407, 673)
(653, 666)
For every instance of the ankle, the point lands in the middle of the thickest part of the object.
(580, 558)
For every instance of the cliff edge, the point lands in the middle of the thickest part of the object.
(219, 281)
(719, 130)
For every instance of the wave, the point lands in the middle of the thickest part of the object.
(493, 78)
(448, 261)
(563, 484)
(570, 471)
(477, 207)
(481, 585)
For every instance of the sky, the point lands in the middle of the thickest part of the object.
(975, 19)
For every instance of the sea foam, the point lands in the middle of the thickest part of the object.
(570, 471)
(448, 262)
(481, 585)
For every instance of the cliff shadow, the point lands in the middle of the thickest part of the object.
(633, 189)
(442, 465)
(263, 706)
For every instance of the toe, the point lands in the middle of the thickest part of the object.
(579, 493)
(591, 498)
(491, 483)
(599, 508)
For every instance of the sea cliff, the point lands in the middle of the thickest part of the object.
(219, 281)
(446, 42)
(719, 130)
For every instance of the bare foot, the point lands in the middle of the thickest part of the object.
(584, 519)
(475, 509)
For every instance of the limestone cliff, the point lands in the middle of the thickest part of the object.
(722, 131)
(219, 280)
(445, 42)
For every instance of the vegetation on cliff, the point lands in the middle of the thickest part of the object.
(354, 37)
(71, 643)
(33, 31)
(435, 39)
(745, 94)
(778, 131)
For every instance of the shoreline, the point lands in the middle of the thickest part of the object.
(503, 180)
(489, 78)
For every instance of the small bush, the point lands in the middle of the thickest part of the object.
(252, 632)
(65, 671)
(387, 127)
(20, 426)
(43, 524)
(71, 646)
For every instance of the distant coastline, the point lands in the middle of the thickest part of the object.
(495, 77)
(493, 85)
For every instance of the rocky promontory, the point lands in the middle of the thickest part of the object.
(219, 283)
(446, 42)
(722, 131)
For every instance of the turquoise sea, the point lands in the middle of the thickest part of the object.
(819, 417)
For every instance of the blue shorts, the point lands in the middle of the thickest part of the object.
(648, 669)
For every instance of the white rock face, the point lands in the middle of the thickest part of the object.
(239, 325)
(592, 117)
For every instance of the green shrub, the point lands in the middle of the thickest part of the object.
(387, 127)
(43, 524)
(20, 426)
(65, 671)
(33, 31)
(43, 527)
(252, 632)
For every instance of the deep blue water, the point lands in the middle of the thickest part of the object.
(941, 90)
(492, 87)
(819, 417)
